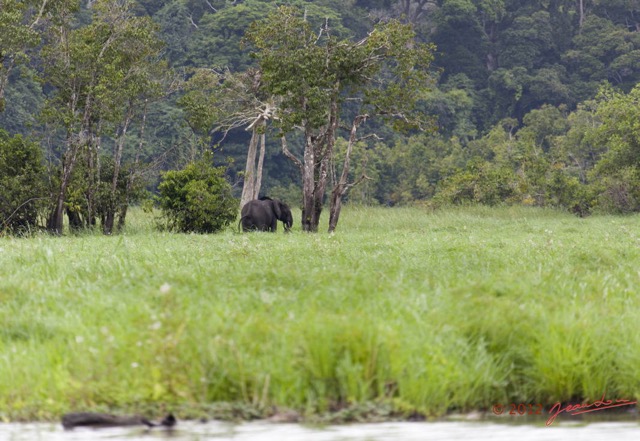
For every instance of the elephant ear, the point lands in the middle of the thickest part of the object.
(276, 209)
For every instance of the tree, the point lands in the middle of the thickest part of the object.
(619, 132)
(219, 102)
(19, 21)
(102, 75)
(313, 74)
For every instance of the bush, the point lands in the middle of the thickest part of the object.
(22, 183)
(197, 198)
(482, 183)
(564, 190)
(619, 193)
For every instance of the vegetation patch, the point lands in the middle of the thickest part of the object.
(402, 313)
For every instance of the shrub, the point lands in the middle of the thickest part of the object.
(564, 190)
(619, 193)
(481, 182)
(197, 198)
(22, 183)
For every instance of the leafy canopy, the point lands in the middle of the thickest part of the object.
(387, 71)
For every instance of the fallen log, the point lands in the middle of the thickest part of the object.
(102, 420)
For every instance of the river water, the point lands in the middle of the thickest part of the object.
(264, 431)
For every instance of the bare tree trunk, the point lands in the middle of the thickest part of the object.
(93, 173)
(581, 12)
(314, 180)
(258, 182)
(55, 221)
(107, 228)
(413, 10)
(134, 169)
(318, 154)
(308, 185)
(491, 32)
(92, 184)
(342, 186)
(250, 169)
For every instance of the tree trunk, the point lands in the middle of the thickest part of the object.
(123, 209)
(314, 180)
(308, 186)
(55, 221)
(248, 186)
(318, 153)
(92, 184)
(343, 186)
(492, 54)
(334, 208)
(107, 228)
(93, 173)
(258, 183)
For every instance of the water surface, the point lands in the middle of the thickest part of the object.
(264, 431)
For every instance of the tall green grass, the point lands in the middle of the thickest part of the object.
(422, 311)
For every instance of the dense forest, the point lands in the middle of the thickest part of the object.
(533, 102)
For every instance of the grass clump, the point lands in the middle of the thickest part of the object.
(401, 312)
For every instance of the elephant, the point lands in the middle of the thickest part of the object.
(263, 215)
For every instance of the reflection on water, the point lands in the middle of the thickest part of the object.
(261, 431)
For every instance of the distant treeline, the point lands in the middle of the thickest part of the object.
(534, 100)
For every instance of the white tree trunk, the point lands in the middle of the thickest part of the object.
(250, 170)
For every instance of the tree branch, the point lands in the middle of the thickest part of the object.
(290, 155)
(193, 22)
(211, 6)
(40, 14)
(6, 221)
(371, 135)
(363, 177)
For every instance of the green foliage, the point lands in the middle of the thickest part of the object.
(23, 185)
(290, 194)
(533, 63)
(481, 183)
(23, 100)
(617, 174)
(197, 198)
(101, 68)
(90, 196)
(519, 167)
(20, 32)
(410, 170)
(619, 193)
(217, 41)
(453, 110)
(307, 72)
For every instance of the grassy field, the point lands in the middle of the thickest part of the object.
(402, 309)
